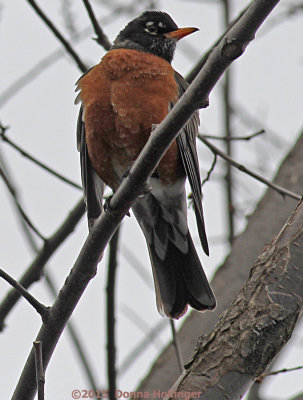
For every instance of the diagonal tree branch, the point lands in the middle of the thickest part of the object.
(69, 49)
(85, 267)
(39, 307)
(141, 346)
(256, 325)
(111, 315)
(263, 224)
(48, 61)
(200, 64)
(241, 167)
(235, 138)
(40, 378)
(20, 208)
(27, 155)
(176, 345)
(226, 97)
(87, 368)
(35, 270)
(102, 39)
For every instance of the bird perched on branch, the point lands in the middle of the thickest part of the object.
(123, 97)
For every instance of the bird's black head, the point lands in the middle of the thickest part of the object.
(153, 32)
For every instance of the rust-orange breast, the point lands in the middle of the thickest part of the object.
(123, 97)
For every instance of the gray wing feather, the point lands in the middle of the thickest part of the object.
(93, 186)
(187, 146)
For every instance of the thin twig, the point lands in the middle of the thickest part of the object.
(69, 49)
(210, 171)
(241, 167)
(26, 229)
(27, 155)
(48, 61)
(141, 347)
(194, 72)
(177, 345)
(39, 307)
(137, 265)
(248, 119)
(292, 10)
(111, 320)
(280, 371)
(88, 370)
(40, 378)
(245, 138)
(34, 271)
(69, 18)
(22, 212)
(138, 321)
(102, 39)
(226, 97)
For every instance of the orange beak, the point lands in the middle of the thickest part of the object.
(180, 33)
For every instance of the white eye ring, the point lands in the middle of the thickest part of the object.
(151, 28)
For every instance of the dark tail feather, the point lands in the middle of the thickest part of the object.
(180, 280)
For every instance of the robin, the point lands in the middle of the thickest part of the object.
(123, 97)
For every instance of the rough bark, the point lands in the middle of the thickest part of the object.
(256, 325)
(270, 214)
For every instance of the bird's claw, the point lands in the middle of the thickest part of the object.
(107, 207)
(145, 190)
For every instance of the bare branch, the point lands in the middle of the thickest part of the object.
(88, 370)
(102, 39)
(212, 167)
(142, 346)
(69, 18)
(139, 321)
(241, 167)
(25, 154)
(271, 213)
(137, 265)
(176, 345)
(40, 378)
(69, 49)
(35, 269)
(22, 212)
(249, 120)
(238, 350)
(290, 11)
(228, 178)
(56, 55)
(111, 316)
(39, 307)
(223, 138)
(200, 64)
(280, 371)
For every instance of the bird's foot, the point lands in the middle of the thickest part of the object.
(154, 126)
(107, 207)
(146, 188)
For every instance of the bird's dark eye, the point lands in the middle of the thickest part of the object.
(151, 28)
